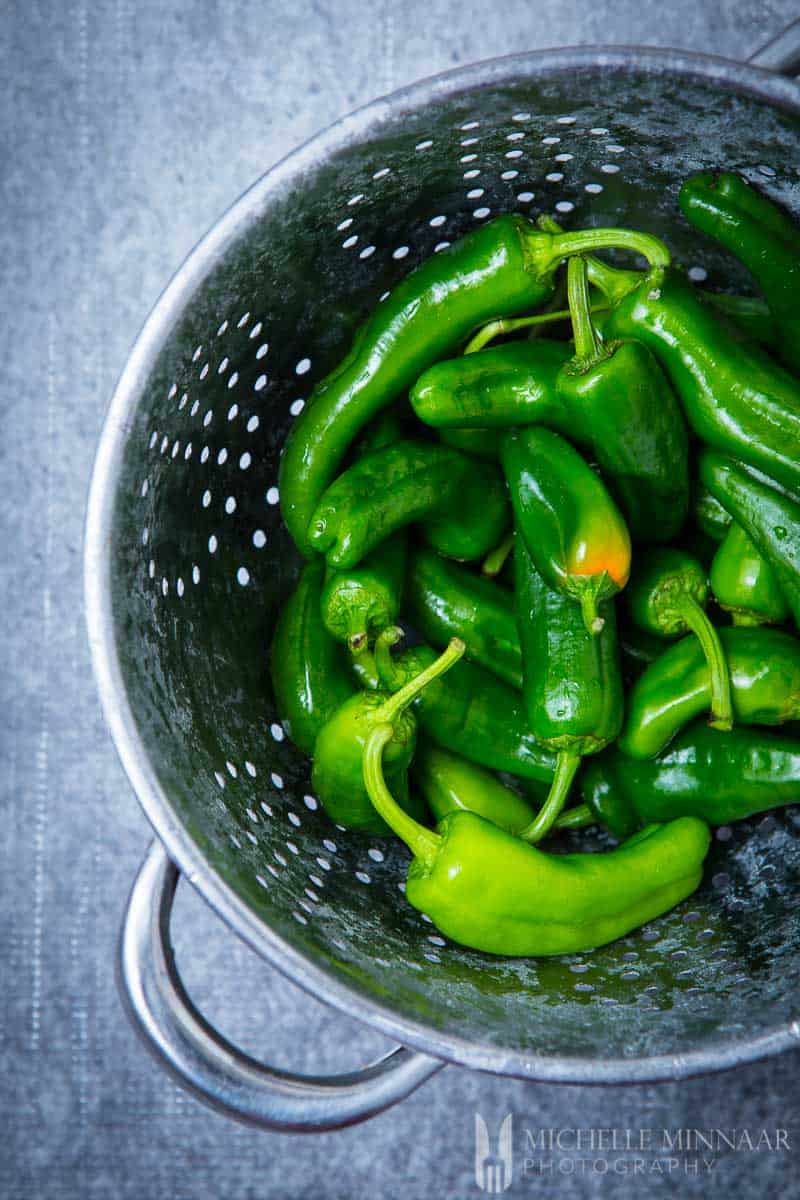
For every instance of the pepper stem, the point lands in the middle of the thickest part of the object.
(388, 674)
(355, 625)
(423, 843)
(495, 559)
(392, 707)
(586, 241)
(591, 617)
(613, 282)
(505, 325)
(567, 764)
(587, 348)
(698, 622)
(575, 818)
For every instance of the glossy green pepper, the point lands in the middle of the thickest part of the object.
(482, 443)
(702, 773)
(336, 774)
(461, 502)
(733, 396)
(762, 237)
(450, 783)
(770, 519)
(308, 668)
(489, 890)
(748, 316)
(666, 596)
(471, 713)
(744, 583)
(444, 600)
(709, 515)
(358, 603)
(574, 531)
(764, 668)
(502, 267)
(572, 686)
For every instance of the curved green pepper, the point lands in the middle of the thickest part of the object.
(336, 774)
(489, 890)
(667, 596)
(482, 443)
(572, 686)
(462, 503)
(444, 600)
(744, 583)
(764, 668)
(502, 267)
(308, 669)
(720, 778)
(762, 237)
(357, 604)
(574, 532)
(733, 396)
(770, 519)
(471, 713)
(450, 783)
(709, 515)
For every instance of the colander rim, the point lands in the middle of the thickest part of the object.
(320, 981)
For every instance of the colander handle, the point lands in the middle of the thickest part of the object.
(781, 53)
(211, 1067)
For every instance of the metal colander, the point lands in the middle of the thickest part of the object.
(188, 565)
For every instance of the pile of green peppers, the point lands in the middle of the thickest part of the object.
(594, 545)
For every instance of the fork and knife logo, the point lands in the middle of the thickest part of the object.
(493, 1172)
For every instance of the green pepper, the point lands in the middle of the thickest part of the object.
(770, 519)
(502, 267)
(489, 890)
(764, 669)
(748, 316)
(461, 502)
(762, 237)
(471, 713)
(709, 515)
(444, 600)
(701, 774)
(482, 443)
(360, 602)
(667, 596)
(450, 783)
(308, 668)
(733, 396)
(744, 583)
(336, 774)
(572, 686)
(574, 531)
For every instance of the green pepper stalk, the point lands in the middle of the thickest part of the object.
(489, 890)
(508, 325)
(765, 687)
(499, 269)
(666, 596)
(307, 667)
(336, 774)
(461, 503)
(744, 583)
(471, 713)
(445, 600)
(572, 686)
(700, 774)
(494, 562)
(771, 520)
(572, 528)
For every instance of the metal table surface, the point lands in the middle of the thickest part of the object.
(126, 129)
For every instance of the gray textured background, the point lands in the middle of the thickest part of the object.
(126, 128)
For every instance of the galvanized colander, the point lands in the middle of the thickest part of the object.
(188, 565)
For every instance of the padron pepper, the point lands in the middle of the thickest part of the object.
(471, 713)
(336, 774)
(733, 396)
(482, 443)
(572, 686)
(445, 600)
(489, 890)
(308, 668)
(357, 603)
(764, 669)
(667, 596)
(709, 516)
(449, 783)
(700, 774)
(502, 267)
(744, 583)
(461, 503)
(769, 518)
(573, 530)
(762, 237)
